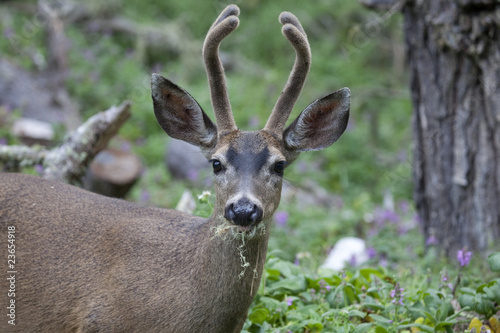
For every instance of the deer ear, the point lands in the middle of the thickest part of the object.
(320, 124)
(180, 116)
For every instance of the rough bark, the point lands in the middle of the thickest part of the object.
(454, 57)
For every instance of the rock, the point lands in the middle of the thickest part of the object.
(186, 203)
(112, 173)
(32, 131)
(37, 96)
(187, 162)
(348, 249)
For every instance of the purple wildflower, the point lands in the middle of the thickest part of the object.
(386, 215)
(404, 206)
(403, 230)
(353, 261)
(397, 295)
(289, 301)
(324, 287)
(3, 141)
(126, 146)
(254, 122)
(281, 218)
(145, 196)
(431, 240)
(39, 169)
(193, 175)
(8, 33)
(464, 257)
(371, 252)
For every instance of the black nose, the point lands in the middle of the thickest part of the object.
(243, 212)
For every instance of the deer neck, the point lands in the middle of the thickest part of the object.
(242, 252)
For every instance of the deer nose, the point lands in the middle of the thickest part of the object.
(243, 212)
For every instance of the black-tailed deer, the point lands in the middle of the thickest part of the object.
(87, 263)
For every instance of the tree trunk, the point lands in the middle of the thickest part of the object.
(454, 57)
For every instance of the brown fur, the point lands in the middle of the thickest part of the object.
(87, 263)
(95, 264)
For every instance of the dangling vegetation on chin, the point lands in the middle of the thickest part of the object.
(227, 228)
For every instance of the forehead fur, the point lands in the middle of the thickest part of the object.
(241, 142)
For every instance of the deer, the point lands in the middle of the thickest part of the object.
(87, 263)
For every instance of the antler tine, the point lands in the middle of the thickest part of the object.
(293, 31)
(223, 26)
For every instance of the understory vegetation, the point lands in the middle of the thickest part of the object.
(361, 186)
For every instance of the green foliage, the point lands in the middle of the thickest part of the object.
(293, 299)
(351, 47)
(494, 261)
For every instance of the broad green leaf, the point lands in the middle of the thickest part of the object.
(367, 272)
(363, 328)
(273, 274)
(493, 291)
(258, 316)
(444, 324)
(373, 306)
(350, 294)
(380, 319)
(380, 329)
(270, 303)
(445, 310)
(483, 306)
(312, 325)
(466, 300)
(357, 313)
(494, 261)
(293, 284)
(286, 268)
(422, 327)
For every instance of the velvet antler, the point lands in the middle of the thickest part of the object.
(223, 26)
(293, 31)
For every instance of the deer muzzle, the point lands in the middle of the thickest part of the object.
(243, 212)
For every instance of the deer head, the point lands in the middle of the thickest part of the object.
(249, 166)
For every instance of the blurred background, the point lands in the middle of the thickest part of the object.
(361, 186)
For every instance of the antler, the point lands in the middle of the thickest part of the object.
(223, 26)
(293, 31)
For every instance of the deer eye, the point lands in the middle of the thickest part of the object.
(217, 165)
(279, 167)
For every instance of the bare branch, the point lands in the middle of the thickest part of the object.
(22, 155)
(56, 39)
(69, 161)
(378, 4)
